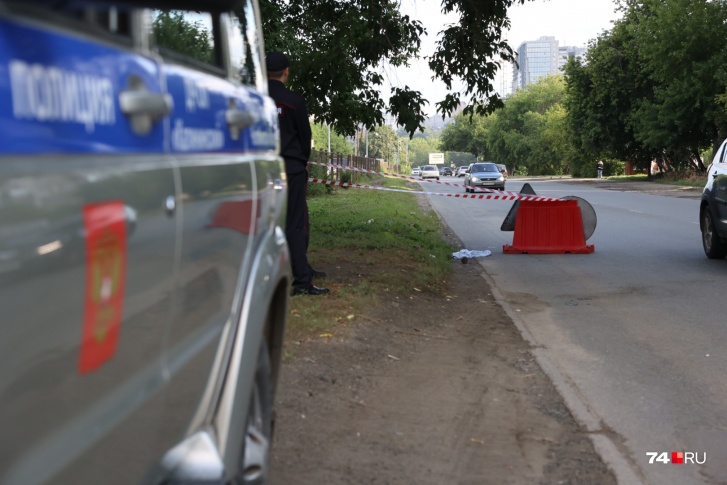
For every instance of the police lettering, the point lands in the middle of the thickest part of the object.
(45, 93)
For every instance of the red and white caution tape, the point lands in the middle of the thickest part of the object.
(489, 194)
(396, 175)
(498, 194)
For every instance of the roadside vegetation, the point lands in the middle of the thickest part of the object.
(355, 233)
(651, 90)
(673, 178)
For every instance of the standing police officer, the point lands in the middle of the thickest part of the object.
(295, 146)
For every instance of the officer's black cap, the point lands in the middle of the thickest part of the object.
(276, 61)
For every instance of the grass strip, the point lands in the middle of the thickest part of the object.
(368, 242)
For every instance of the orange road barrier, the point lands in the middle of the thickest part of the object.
(548, 227)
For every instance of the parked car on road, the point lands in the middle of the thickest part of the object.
(462, 170)
(713, 207)
(416, 171)
(144, 272)
(485, 175)
(429, 172)
(445, 171)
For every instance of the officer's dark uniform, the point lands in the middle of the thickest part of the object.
(295, 147)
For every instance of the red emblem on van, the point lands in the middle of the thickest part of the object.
(105, 226)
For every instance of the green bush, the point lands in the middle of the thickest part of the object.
(318, 172)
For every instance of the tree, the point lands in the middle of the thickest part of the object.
(419, 150)
(523, 133)
(383, 143)
(457, 159)
(337, 48)
(684, 47)
(649, 87)
(339, 144)
(467, 134)
(602, 94)
(173, 31)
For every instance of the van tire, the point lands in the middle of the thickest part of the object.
(258, 434)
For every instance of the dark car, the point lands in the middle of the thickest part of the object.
(445, 171)
(144, 273)
(713, 208)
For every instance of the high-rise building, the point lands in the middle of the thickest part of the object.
(566, 52)
(536, 59)
(539, 58)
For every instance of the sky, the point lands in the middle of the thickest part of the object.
(571, 22)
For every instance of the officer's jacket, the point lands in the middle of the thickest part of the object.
(295, 133)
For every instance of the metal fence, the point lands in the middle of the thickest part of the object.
(355, 161)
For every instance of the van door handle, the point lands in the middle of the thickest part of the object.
(237, 120)
(714, 175)
(156, 105)
(142, 106)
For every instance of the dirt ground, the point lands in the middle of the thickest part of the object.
(427, 389)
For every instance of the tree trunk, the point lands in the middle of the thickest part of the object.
(698, 158)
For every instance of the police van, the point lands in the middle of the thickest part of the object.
(144, 274)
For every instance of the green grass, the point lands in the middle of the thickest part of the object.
(641, 177)
(685, 180)
(369, 242)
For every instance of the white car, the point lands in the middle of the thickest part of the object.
(429, 171)
(461, 171)
(416, 171)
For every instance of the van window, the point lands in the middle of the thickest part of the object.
(188, 37)
(246, 48)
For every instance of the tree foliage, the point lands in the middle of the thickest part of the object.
(521, 135)
(684, 46)
(339, 144)
(419, 150)
(467, 134)
(383, 143)
(529, 132)
(173, 31)
(649, 87)
(339, 49)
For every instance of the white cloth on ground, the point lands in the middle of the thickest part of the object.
(466, 253)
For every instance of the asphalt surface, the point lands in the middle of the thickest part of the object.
(632, 335)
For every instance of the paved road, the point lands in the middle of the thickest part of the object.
(635, 333)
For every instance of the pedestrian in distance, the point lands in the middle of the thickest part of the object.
(599, 167)
(295, 147)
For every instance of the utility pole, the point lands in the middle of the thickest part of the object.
(367, 143)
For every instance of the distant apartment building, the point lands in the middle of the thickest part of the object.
(540, 58)
(566, 52)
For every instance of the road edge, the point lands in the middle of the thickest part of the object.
(609, 450)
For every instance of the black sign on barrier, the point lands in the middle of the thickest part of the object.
(509, 223)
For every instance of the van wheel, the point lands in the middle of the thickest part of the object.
(258, 429)
(714, 247)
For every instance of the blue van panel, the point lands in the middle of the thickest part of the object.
(264, 134)
(59, 93)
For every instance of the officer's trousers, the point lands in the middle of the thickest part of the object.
(296, 229)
